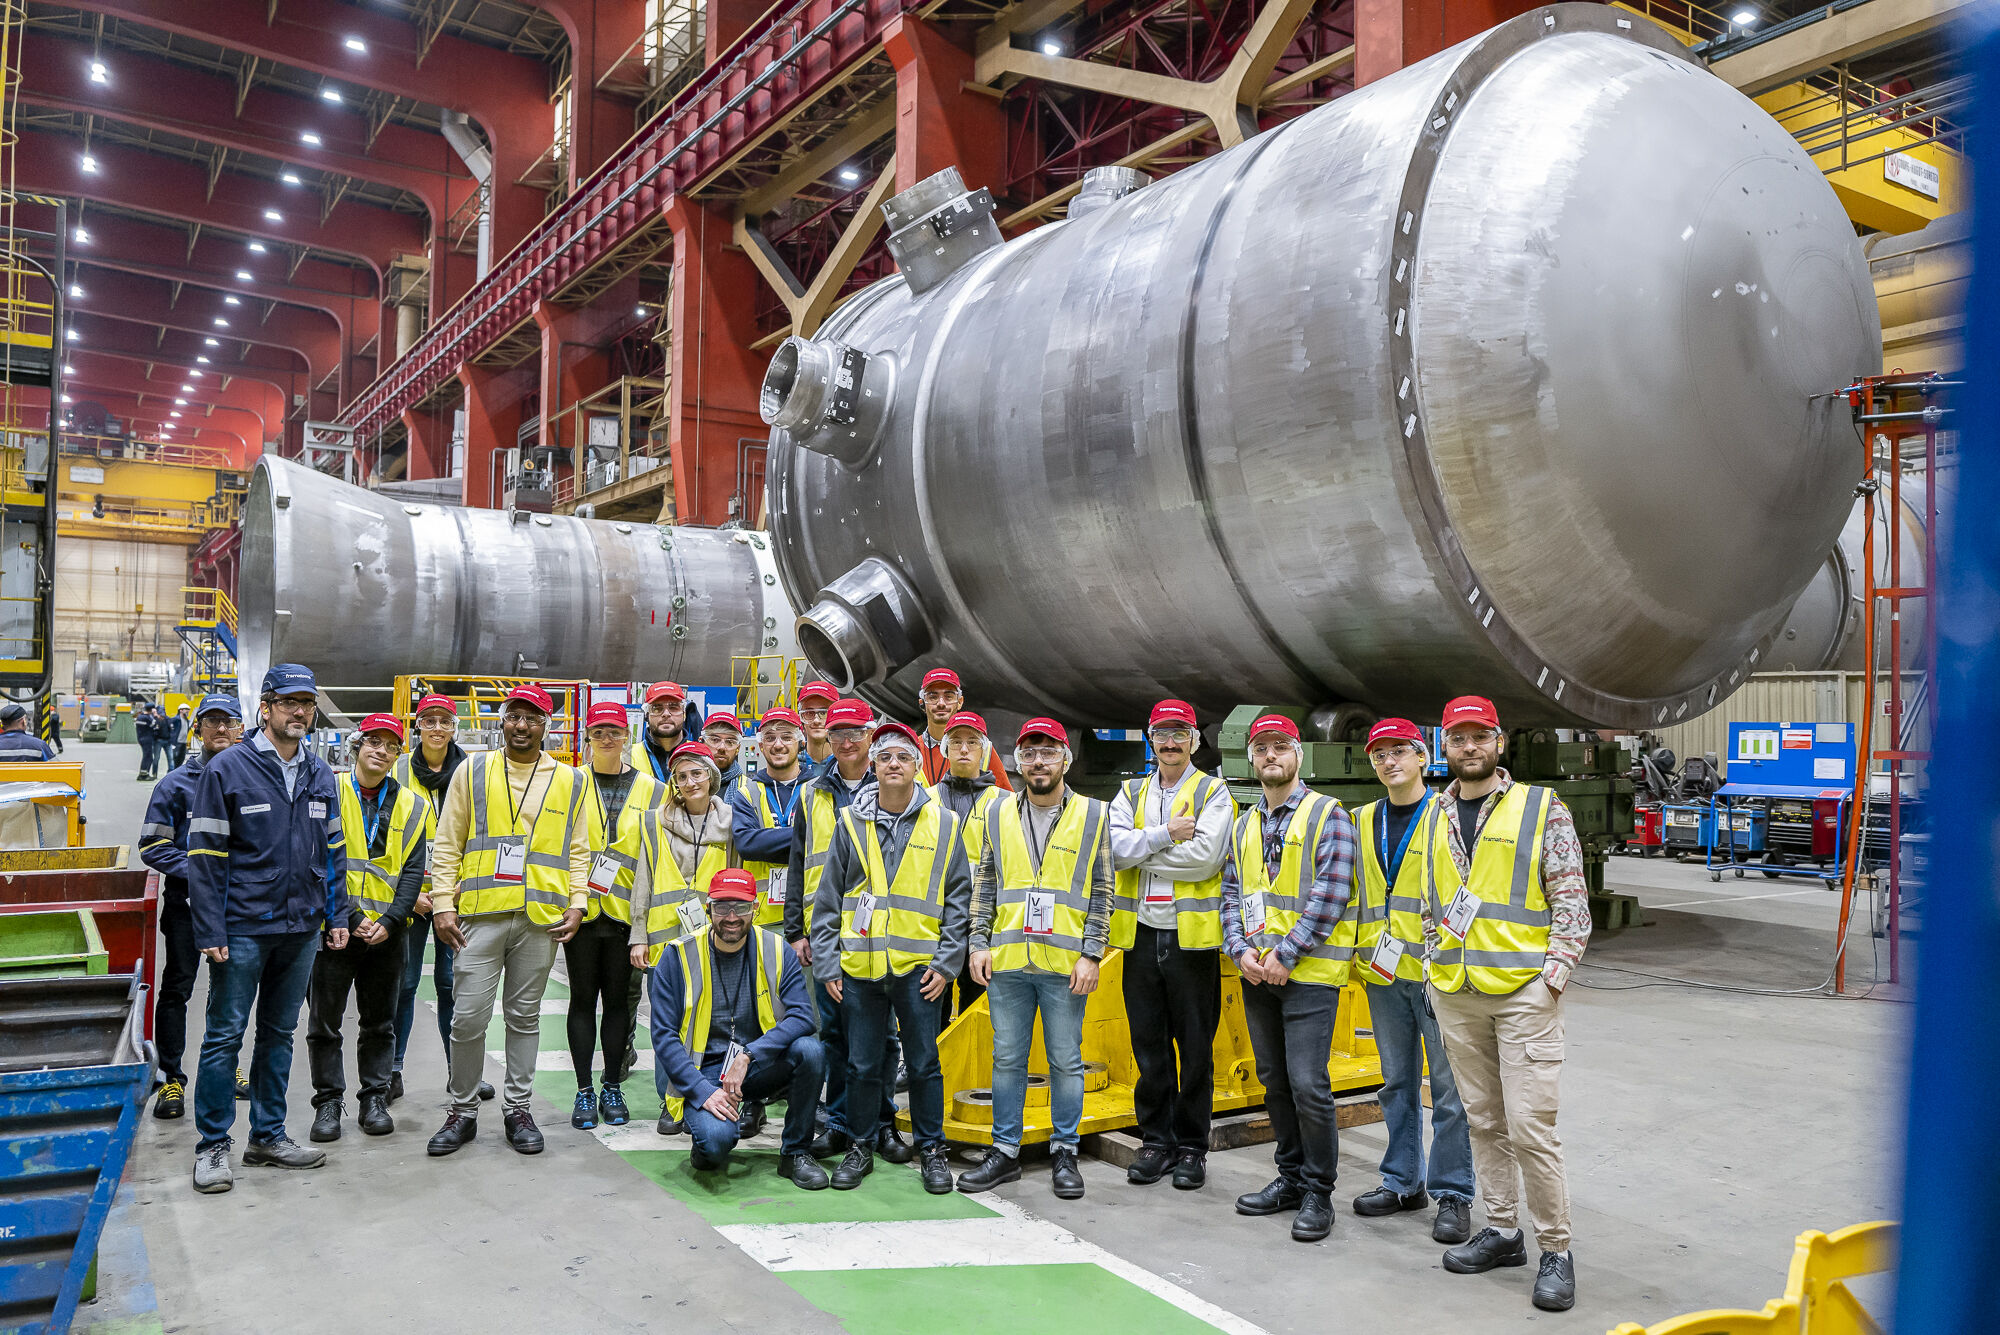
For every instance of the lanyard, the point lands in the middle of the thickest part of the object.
(603, 812)
(1416, 819)
(653, 759)
(788, 800)
(728, 998)
(514, 812)
(368, 824)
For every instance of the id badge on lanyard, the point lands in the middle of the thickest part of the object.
(1388, 954)
(693, 917)
(864, 912)
(774, 886)
(603, 874)
(512, 864)
(1464, 908)
(1041, 916)
(1253, 912)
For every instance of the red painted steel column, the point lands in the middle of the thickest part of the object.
(1390, 34)
(715, 376)
(939, 125)
(575, 361)
(492, 417)
(727, 20)
(430, 444)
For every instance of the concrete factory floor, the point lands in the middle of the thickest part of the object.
(1704, 1130)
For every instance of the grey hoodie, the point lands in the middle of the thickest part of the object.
(844, 871)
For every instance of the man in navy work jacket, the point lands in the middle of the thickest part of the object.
(266, 864)
(218, 725)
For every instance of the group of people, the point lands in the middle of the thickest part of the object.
(804, 927)
(163, 737)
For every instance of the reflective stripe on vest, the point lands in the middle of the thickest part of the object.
(670, 888)
(698, 992)
(974, 823)
(769, 914)
(903, 927)
(1067, 864)
(1326, 965)
(1197, 904)
(1509, 941)
(371, 885)
(645, 794)
(405, 777)
(544, 888)
(819, 816)
(1400, 909)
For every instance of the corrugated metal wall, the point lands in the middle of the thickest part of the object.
(1794, 697)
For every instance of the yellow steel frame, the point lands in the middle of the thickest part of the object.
(53, 771)
(207, 608)
(750, 676)
(1818, 1299)
(480, 698)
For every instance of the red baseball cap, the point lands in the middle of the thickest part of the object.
(530, 694)
(607, 715)
(1042, 727)
(940, 677)
(849, 714)
(1471, 709)
(1393, 730)
(965, 718)
(893, 728)
(692, 751)
(1274, 723)
(381, 723)
(733, 883)
(818, 690)
(782, 715)
(730, 721)
(666, 690)
(444, 702)
(1171, 711)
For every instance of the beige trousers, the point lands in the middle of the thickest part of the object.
(506, 959)
(1506, 1053)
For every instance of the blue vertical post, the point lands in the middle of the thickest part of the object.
(1951, 1156)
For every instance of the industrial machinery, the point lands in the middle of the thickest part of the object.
(1362, 411)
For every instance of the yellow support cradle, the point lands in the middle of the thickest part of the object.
(1817, 1298)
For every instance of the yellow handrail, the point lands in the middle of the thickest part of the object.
(1817, 1299)
(207, 607)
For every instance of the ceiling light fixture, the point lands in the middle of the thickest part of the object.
(1051, 48)
(212, 343)
(98, 73)
(356, 45)
(309, 139)
(221, 323)
(243, 275)
(290, 178)
(75, 290)
(71, 335)
(202, 358)
(330, 95)
(82, 236)
(89, 164)
(257, 247)
(272, 215)
(231, 301)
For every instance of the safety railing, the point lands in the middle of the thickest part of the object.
(1818, 1298)
(132, 450)
(764, 681)
(207, 607)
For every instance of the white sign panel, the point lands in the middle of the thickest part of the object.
(1912, 173)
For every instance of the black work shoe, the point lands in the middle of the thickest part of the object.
(1454, 1220)
(522, 1133)
(937, 1171)
(750, 1121)
(1064, 1176)
(859, 1163)
(1314, 1219)
(1278, 1196)
(172, 1101)
(1383, 1201)
(1555, 1286)
(990, 1172)
(395, 1085)
(1486, 1251)
(889, 1143)
(458, 1130)
(669, 1125)
(1190, 1170)
(802, 1171)
(1150, 1165)
(326, 1121)
(485, 1091)
(831, 1143)
(374, 1118)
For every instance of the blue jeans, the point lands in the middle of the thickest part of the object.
(271, 971)
(796, 1079)
(1405, 1029)
(414, 936)
(871, 1074)
(833, 1035)
(1012, 999)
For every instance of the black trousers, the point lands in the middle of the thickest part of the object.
(375, 975)
(177, 973)
(599, 962)
(1291, 1031)
(1173, 1001)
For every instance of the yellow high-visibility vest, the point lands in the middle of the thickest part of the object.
(1379, 906)
(544, 888)
(1284, 898)
(818, 812)
(371, 882)
(1065, 873)
(1508, 942)
(670, 888)
(974, 824)
(642, 760)
(1197, 904)
(770, 910)
(622, 845)
(698, 992)
(903, 927)
(405, 777)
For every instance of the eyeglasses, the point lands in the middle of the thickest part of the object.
(813, 715)
(777, 733)
(730, 908)
(936, 695)
(1171, 737)
(848, 735)
(1266, 750)
(967, 744)
(436, 724)
(1039, 755)
(1383, 755)
(721, 735)
(1468, 741)
(292, 706)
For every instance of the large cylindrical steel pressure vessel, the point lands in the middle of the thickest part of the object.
(1823, 632)
(1512, 373)
(121, 676)
(363, 588)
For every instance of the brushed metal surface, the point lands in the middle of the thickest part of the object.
(1510, 373)
(362, 587)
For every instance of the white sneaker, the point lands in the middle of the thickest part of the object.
(212, 1172)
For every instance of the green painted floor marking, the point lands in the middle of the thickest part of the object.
(750, 1191)
(991, 1300)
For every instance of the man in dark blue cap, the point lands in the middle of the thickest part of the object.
(218, 725)
(266, 878)
(16, 742)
